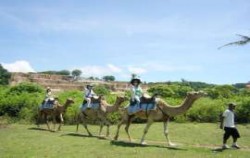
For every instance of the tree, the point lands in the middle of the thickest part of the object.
(76, 73)
(52, 72)
(244, 40)
(64, 72)
(108, 78)
(4, 76)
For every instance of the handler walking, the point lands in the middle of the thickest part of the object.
(228, 124)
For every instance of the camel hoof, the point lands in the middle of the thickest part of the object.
(131, 140)
(172, 145)
(143, 143)
(90, 135)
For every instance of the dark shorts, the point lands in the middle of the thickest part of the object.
(231, 132)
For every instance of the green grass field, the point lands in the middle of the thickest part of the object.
(193, 140)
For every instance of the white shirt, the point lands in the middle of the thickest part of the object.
(136, 92)
(89, 93)
(228, 118)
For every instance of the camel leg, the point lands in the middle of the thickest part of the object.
(166, 133)
(47, 122)
(78, 121)
(85, 126)
(61, 122)
(106, 122)
(124, 120)
(101, 127)
(127, 127)
(38, 119)
(54, 123)
(149, 123)
(107, 133)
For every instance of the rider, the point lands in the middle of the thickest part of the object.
(89, 93)
(136, 90)
(48, 97)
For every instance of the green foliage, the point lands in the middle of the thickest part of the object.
(243, 111)
(26, 87)
(108, 78)
(161, 90)
(206, 110)
(4, 76)
(224, 91)
(172, 90)
(101, 90)
(76, 73)
(20, 101)
(62, 72)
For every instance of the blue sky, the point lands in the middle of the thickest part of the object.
(161, 40)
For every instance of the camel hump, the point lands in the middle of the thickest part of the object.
(147, 99)
(96, 99)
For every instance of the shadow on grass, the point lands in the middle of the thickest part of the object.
(39, 129)
(83, 135)
(218, 150)
(131, 144)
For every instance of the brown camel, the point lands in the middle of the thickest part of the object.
(57, 111)
(99, 115)
(162, 113)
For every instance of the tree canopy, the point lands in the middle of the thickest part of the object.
(4, 76)
(108, 78)
(76, 73)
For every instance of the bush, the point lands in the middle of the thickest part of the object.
(161, 90)
(243, 111)
(26, 87)
(206, 110)
(21, 100)
(101, 90)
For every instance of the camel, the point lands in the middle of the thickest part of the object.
(57, 111)
(162, 112)
(99, 114)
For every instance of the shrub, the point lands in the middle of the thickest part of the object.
(26, 87)
(243, 111)
(101, 90)
(162, 90)
(206, 110)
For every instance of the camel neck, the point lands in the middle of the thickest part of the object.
(177, 110)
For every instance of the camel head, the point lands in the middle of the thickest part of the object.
(70, 101)
(196, 94)
(121, 99)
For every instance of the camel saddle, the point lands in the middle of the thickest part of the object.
(146, 104)
(50, 104)
(94, 100)
(147, 100)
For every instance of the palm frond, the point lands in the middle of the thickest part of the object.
(245, 40)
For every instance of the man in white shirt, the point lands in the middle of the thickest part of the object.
(227, 123)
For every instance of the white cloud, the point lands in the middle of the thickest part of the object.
(18, 66)
(136, 70)
(94, 70)
(172, 68)
(114, 68)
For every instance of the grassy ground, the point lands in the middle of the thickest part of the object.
(193, 139)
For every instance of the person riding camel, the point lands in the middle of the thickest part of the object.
(48, 97)
(88, 94)
(136, 91)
